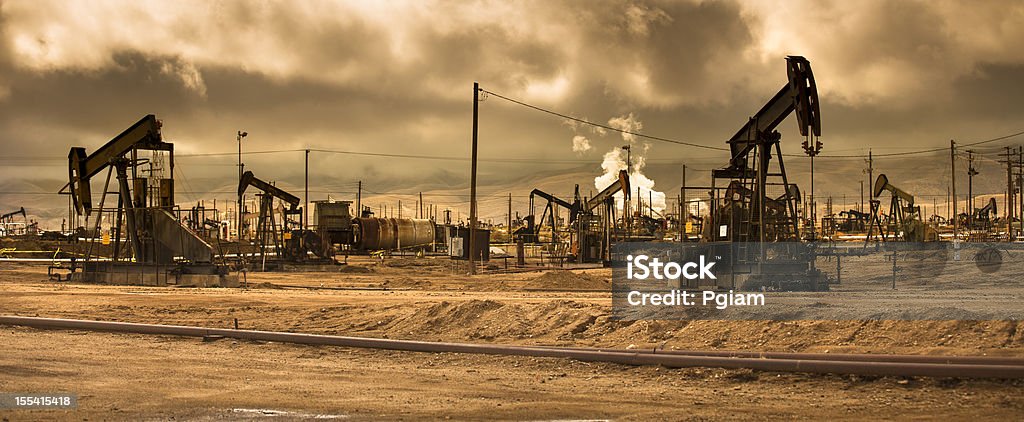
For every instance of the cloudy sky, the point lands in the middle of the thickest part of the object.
(396, 78)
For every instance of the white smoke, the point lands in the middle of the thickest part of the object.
(580, 144)
(615, 160)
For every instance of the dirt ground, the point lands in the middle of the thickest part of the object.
(120, 376)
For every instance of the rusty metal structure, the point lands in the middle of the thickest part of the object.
(760, 204)
(750, 211)
(375, 234)
(594, 222)
(852, 221)
(337, 229)
(333, 225)
(590, 227)
(904, 218)
(160, 250)
(9, 227)
(290, 242)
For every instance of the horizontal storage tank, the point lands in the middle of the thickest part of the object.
(414, 232)
(392, 233)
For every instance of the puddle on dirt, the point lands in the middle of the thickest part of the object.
(270, 413)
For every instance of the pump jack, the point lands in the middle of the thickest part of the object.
(904, 217)
(9, 217)
(595, 245)
(852, 220)
(980, 218)
(162, 249)
(591, 232)
(8, 225)
(293, 244)
(550, 209)
(757, 211)
(751, 149)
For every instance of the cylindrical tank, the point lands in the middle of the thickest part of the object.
(392, 233)
(414, 232)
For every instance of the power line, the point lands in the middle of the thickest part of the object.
(389, 155)
(931, 150)
(656, 138)
(606, 127)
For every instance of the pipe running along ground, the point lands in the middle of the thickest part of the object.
(631, 357)
(853, 357)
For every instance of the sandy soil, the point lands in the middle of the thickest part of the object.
(429, 301)
(228, 380)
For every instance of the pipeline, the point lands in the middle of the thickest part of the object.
(875, 368)
(846, 357)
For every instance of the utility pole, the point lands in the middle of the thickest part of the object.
(1009, 194)
(510, 217)
(952, 175)
(1020, 182)
(472, 182)
(359, 199)
(870, 169)
(948, 203)
(419, 206)
(860, 208)
(240, 168)
(684, 209)
(305, 204)
(971, 172)
(871, 180)
(627, 216)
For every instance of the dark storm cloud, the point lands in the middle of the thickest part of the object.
(396, 77)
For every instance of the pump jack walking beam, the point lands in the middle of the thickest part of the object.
(248, 179)
(144, 134)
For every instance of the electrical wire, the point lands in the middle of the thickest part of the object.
(657, 138)
(606, 127)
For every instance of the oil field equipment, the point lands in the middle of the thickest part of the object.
(594, 224)
(904, 220)
(549, 215)
(852, 221)
(590, 227)
(386, 234)
(752, 213)
(9, 227)
(160, 250)
(291, 243)
(337, 229)
(334, 225)
(755, 226)
(983, 217)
